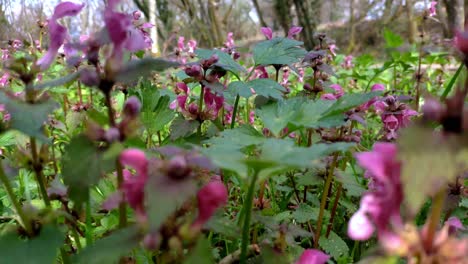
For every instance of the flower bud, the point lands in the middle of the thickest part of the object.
(112, 134)
(132, 107)
(89, 77)
(178, 168)
(194, 71)
(209, 62)
(210, 197)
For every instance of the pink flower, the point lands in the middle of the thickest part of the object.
(432, 8)
(313, 256)
(4, 81)
(293, 31)
(267, 32)
(210, 197)
(338, 90)
(181, 43)
(57, 32)
(461, 41)
(391, 125)
(122, 32)
(191, 46)
(134, 185)
(380, 207)
(332, 48)
(348, 62)
(229, 41)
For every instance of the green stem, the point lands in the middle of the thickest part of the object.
(234, 111)
(452, 82)
(37, 166)
(89, 227)
(248, 204)
(65, 257)
(200, 108)
(333, 212)
(324, 200)
(122, 205)
(436, 212)
(19, 210)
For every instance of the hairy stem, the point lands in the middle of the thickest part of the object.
(434, 218)
(248, 204)
(333, 211)
(37, 166)
(324, 200)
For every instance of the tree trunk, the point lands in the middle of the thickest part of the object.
(283, 14)
(455, 15)
(259, 13)
(307, 15)
(411, 23)
(154, 30)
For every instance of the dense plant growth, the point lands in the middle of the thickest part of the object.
(276, 155)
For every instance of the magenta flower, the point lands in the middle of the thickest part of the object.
(348, 62)
(191, 46)
(313, 256)
(5, 79)
(461, 41)
(432, 8)
(229, 41)
(134, 185)
(181, 43)
(122, 33)
(267, 32)
(338, 90)
(210, 197)
(57, 32)
(391, 125)
(332, 48)
(293, 31)
(5, 54)
(380, 207)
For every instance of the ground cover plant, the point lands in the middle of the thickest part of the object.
(276, 154)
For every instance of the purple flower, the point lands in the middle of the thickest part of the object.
(57, 32)
(391, 125)
(380, 207)
(313, 256)
(293, 31)
(181, 43)
(332, 48)
(267, 32)
(210, 197)
(229, 41)
(191, 46)
(454, 224)
(5, 79)
(338, 90)
(134, 185)
(432, 8)
(122, 32)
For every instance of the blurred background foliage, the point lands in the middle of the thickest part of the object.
(355, 26)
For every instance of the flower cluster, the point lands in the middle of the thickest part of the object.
(394, 115)
(184, 51)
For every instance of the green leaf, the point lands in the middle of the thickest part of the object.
(155, 111)
(228, 157)
(334, 245)
(7, 139)
(111, 248)
(58, 82)
(225, 61)
(238, 138)
(392, 40)
(83, 166)
(428, 164)
(39, 250)
(353, 188)
(348, 101)
(280, 51)
(201, 253)
(136, 69)
(379, 260)
(182, 128)
(283, 152)
(312, 115)
(264, 87)
(305, 213)
(223, 225)
(277, 116)
(29, 118)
